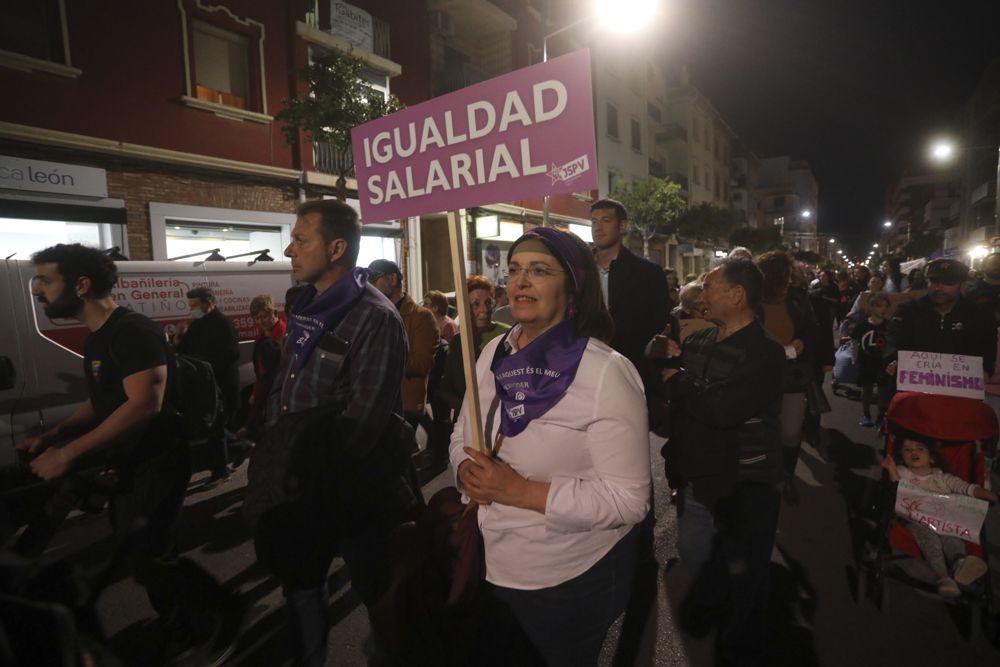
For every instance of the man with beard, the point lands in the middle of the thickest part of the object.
(942, 321)
(129, 424)
(724, 451)
(421, 335)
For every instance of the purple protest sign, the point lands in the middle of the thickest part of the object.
(524, 134)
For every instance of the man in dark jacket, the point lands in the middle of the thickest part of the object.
(212, 338)
(635, 291)
(725, 451)
(943, 320)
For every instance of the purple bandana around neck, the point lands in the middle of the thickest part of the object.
(533, 380)
(312, 316)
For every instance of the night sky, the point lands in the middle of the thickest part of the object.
(854, 87)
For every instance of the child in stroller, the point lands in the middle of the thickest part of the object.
(921, 464)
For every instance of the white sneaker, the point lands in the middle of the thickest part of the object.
(969, 569)
(947, 588)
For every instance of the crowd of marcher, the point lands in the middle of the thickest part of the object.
(581, 353)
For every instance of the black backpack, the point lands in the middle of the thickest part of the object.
(198, 399)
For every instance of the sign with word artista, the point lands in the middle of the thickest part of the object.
(945, 514)
(944, 374)
(40, 176)
(524, 134)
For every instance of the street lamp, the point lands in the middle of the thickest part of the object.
(833, 240)
(943, 151)
(887, 223)
(806, 213)
(621, 16)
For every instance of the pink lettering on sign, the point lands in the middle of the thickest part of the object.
(524, 134)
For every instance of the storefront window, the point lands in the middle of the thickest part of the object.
(378, 247)
(21, 238)
(185, 237)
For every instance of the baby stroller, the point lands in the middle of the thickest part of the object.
(966, 430)
(845, 368)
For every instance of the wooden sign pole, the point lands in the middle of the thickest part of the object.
(467, 331)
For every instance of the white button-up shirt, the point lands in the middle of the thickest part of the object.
(592, 447)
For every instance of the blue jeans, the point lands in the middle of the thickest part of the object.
(567, 623)
(695, 532)
(297, 542)
(733, 582)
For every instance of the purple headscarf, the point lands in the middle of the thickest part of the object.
(562, 246)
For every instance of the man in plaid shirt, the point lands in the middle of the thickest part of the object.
(344, 355)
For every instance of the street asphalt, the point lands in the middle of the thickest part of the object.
(814, 617)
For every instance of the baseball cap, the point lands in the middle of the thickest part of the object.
(948, 271)
(384, 267)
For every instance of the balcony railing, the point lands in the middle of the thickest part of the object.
(380, 38)
(460, 76)
(679, 179)
(674, 132)
(657, 169)
(329, 160)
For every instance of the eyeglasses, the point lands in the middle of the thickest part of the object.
(534, 272)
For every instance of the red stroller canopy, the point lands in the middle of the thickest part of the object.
(942, 417)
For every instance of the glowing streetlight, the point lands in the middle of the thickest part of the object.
(806, 213)
(621, 16)
(625, 15)
(840, 252)
(942, 150)
(833, 240)
(887, 223)
(874, 245)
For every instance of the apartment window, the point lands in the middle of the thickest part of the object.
(225, 70)
(696, 128)
(221, 65)
(654, 112)
(695, 175)
(612, 121)
(717, 189)
(34, 37)
(33, 29)
(779, 202)
(715, 145)
(705, 138)
(636, 135)
(614, 180)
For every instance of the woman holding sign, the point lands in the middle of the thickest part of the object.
(569, 475)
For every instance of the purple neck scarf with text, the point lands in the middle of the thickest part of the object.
(533, 380)
(312, 316)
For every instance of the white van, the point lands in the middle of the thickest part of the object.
(41, 368)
